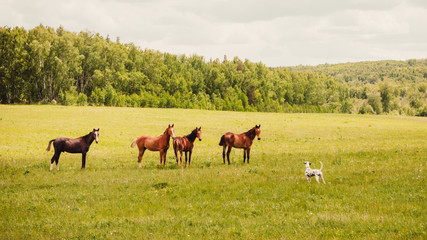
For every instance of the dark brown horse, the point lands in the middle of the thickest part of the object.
(243, 140)
(72, 145)
(160, 143)
(185, 144)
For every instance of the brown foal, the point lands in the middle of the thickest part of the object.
(243, 140)
(160, 143)
(185, 144)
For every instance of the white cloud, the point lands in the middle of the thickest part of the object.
(277, 33)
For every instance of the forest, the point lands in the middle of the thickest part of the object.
(47, 66)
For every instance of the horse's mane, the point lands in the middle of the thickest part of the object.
(192, 136)
(165, 132)
(251, 133)
(86, 136)
(250, 130)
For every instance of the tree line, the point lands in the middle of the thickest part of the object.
(396, 87)
(44, 65)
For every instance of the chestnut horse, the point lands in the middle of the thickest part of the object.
(185, 144)
(72, 145)
(243, 140)
(160, 143)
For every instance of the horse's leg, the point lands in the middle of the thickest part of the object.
(55, 158)
(223, 153)
(141, 153)
(186, 158)
(189, 157)
(244, 155)
(176, 154)
(57, 161)
(163, 157)
(180, 157)
(83, 160)
(52, 161)
(228, 154)
(249, 151)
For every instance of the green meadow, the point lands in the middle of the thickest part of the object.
(374, 167)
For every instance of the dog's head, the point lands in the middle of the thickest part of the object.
(307, 164)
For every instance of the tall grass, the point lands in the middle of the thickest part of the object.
(373, 165)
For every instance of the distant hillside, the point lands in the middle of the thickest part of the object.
(410, 71)
(398, 87)
(44, 65)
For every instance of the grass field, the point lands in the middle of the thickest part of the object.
(374, 167)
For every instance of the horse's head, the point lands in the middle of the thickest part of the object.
(199, 133)
(170, 131)
(95, 134)
(258, 131)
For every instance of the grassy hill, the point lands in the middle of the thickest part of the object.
(373, 166)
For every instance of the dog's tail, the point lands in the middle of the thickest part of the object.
(321, 166)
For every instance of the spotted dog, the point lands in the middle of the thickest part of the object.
(313, 172)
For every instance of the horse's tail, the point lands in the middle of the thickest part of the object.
(175, 146)
(178, 144)
(221, 143)
(48, 146)
(175, 143)
(134, 143)
(321, 166)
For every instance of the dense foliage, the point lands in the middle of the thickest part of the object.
(384, 86)
(44, 65)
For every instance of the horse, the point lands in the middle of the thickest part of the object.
(185, 144)
(72, 145)
(160, 143)
(243, 140)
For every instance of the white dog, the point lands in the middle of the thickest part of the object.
(313, 172)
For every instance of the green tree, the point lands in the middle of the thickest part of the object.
(386, 94)
(13, 65)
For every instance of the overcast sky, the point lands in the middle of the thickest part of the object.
(276, 33)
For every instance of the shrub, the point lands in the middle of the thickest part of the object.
(97, 97)
(422, 112)
(82, 99)
(367, 109)
(70, 98)
(110, 96)
(346, 107)
(375, 102)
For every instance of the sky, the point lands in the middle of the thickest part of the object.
(276, 33)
